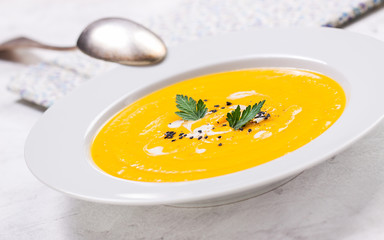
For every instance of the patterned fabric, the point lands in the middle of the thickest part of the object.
(46, 82)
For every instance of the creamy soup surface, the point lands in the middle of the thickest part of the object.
(136, 143)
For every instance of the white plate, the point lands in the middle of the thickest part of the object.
(57, 149)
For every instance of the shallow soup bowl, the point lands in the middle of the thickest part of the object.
(57, 150)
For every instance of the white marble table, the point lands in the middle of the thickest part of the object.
(343, 198)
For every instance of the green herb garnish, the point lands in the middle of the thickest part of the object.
(189, 110)
(238, 119)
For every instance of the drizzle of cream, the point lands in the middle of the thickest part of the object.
(297, 111)
(179, 123)
(238, 95)
(188, 125)
(160, 170)
(206, 130)
(298, 73)
(156, 151)
(262, 134)
(294, 113)
(176, 124)
(242, 107)
(258, 120)
(150, 127)
(202, 150)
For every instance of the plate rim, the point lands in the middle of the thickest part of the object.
(65, 105)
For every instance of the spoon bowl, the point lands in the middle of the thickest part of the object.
(122, 41)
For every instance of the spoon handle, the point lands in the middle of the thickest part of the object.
(22, 42)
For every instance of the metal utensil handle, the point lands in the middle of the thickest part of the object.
(23, 42)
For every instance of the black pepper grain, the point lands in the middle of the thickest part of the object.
(206, 137)
(199, 131)
(199, 138)
(249, 130)
(228, 103)
(218, 136)
(220, 144)
(173, 140)
(224, 125)
(241, 129)
(191, 137)
(216, 105)
(169, 134)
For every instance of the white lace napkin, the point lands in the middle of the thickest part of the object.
(47, 81)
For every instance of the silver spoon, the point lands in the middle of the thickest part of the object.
(111, 39)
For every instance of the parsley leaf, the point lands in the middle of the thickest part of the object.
(236, 119)
(189, 110)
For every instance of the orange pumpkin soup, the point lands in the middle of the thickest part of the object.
(148, 142)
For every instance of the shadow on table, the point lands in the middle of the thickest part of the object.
(22, 56)
(31, 105)
(330, 201)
